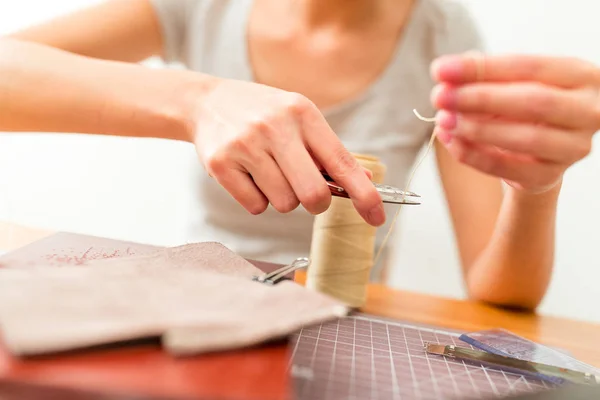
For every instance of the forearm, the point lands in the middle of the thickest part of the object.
(516, 266)
(48, 90)
(116, 30)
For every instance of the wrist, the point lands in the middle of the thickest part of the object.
(549, 196)
(169, 102)
(144, 102)
(182, 103)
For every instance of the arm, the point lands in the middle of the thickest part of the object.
(49, 90)
(511, 117)
(261, 155)
(505, 241)
(120, 30)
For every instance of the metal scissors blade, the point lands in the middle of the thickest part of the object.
(389, 194)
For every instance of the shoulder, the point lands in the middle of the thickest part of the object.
(455, 28)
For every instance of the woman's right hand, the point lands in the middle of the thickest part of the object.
(266, 145)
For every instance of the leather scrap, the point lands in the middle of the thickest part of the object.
(198, 298)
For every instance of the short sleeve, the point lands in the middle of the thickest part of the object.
(457, 31)
(174, 17)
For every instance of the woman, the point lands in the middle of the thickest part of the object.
(325, 51)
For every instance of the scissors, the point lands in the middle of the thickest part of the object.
(389, 194)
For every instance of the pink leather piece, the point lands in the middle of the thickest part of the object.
(199, 298)
(66, 248)
(206, 256)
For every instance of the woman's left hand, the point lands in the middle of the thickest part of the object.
(525, 119)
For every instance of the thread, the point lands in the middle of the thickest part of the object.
(422, 118)
(480, 67)
(343, 245)
(410, 178)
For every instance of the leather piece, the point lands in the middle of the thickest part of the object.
(199, 298)
(66, 248)
(285, 310)
(144, 368)
(206, 256)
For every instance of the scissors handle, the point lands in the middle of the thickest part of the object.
(334, 188)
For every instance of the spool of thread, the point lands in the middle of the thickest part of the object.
(343, 247)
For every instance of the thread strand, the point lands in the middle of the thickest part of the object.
(408, 183)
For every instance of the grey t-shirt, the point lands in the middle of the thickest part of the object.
(210, 36)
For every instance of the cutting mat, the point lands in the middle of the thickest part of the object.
(363, 357)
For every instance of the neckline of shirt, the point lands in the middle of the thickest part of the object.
(380, 82)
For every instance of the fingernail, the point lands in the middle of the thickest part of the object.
(446, 119)
(444, 97)
(443, 136)
(376, 216)
(447, 68)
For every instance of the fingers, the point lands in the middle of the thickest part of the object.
(557, 71)
(343, 168)
(242, 188)
(526, 102)
(539, 141)
(527, 171)
(271, 181)
(369, 173)
(320, 167)
(305, 178)
(522, 118)
(272, 153)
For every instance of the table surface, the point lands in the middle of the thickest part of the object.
(136, 368)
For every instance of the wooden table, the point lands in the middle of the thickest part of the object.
(261, 373)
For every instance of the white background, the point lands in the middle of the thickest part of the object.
(139, 189)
